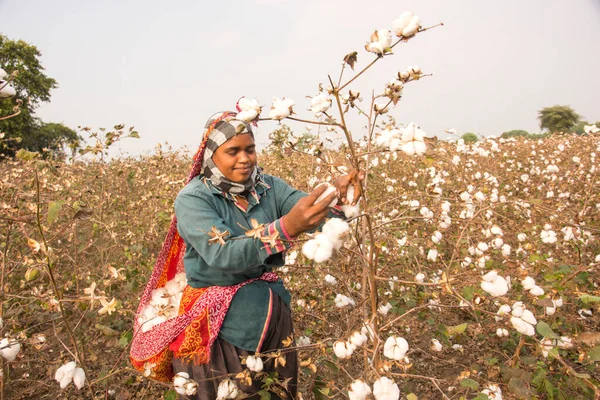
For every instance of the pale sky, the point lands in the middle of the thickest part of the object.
(165, 67)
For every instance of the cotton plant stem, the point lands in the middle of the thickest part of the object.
(57, 293)
(4, 254)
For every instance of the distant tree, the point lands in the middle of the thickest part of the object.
(51, 137)
(33, 87)
(515, 133)
(469, 137)
(558, 119)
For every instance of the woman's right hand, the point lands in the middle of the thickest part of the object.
(305, 215)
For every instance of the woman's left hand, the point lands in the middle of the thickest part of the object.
(354, 178)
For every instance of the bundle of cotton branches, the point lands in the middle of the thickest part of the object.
(164, 303)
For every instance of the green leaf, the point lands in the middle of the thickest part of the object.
(544, 329)
(469, 383)
(481, 396)
(457, 329)
(264, 395)
(412, 396)
(53, 209)
(170, 395)
(587, 299)
(125, 339)
(25, 155)
(594, 354)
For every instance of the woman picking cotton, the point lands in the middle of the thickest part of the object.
(232, 226)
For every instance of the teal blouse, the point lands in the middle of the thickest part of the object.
(201, 208)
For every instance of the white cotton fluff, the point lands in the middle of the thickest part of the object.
(342, 300)
(9, 348)
(359, 390)
(380, 41)
(164, 303)
(432, 255)
(250, 109)
(64, 374)
(494, 284)
(3, 73)
(522, 319)
(436, 345)
(336, 229)
(6, 90)
(330, 280)
(281, 108)
(227, 390)
(254, 363)
(386, 389)
(384, 308)
(395, 348)
(420, 277)
(349, 210)
(79, 378)
(343, 349)
(528, 283)
(320, 248)
(358, 338)
(320, 104)
(502, 311)
(493, 392)
(330, 189)
(536, 291)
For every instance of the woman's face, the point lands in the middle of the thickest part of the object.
(236, 158)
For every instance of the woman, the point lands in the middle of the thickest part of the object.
(236, 223)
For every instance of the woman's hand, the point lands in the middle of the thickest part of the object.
(305, 215)
(342, 183)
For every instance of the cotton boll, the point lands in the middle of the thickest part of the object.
(420, 277)
(342, 349)
(528, 283)
(436, 237)
(159, 297)
(319, 248)
(9, 348)
(436, 345)
(336, 228)
(432, 255)
(490, 276)
(64, 374)
(536, 291)
(172, 287)
(330, 189)
(358, 338)
(386, 389)
(343, 301)
(227, 390)
(529, 317)
(402, 22)
(359, 390)
(384, 308)
(254, 363)
(395, 348)
(79, 378)
(330, 280)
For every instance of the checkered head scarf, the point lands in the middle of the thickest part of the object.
(223, 130)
